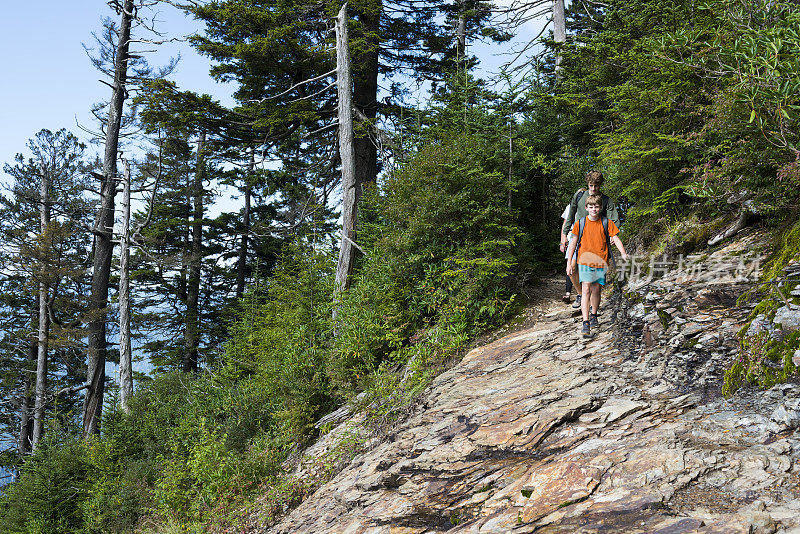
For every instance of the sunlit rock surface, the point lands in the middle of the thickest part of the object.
(542, 432)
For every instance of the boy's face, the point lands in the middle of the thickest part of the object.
(593, 211)
(594, 188)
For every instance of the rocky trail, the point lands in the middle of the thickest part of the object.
(539, 431)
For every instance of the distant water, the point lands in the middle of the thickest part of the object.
(6, 477)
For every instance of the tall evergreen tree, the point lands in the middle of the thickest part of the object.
(277, 53)
(126, 70)
(45, 240)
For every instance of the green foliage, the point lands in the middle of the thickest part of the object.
(787, 250)
(450, 225)
(670, 95)
(763, 361)
(759, 52)
(277, 348)
(51, 491)
(438, 260)
(117, 492)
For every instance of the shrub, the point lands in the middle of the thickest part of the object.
(49, 495)
(439, 253)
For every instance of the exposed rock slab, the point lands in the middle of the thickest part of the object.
(541, 432)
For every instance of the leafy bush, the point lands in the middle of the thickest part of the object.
(439, 254)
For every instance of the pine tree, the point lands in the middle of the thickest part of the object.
(45, 239)
(127, 71)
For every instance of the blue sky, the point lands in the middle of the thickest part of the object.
(49, 82)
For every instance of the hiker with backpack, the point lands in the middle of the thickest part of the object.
(590, 254)
(565, 242)
(594, 180)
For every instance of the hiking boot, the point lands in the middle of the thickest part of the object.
(577, 303)
(566, 298)
(587, 333)
(593, 322)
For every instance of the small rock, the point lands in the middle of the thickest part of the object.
(792, 267)
(796, 291)
(692, 328)
(781, 447)
(615, 409)
(637, 311)
(648, 337)
(787, 414)
(761, 523)
(677, 341)
(788, 317)
(652, 317)
(760, 324)
(658, 389)
(708, 339)
(796, 358)
(782, 390)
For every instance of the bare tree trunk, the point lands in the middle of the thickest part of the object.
(125, 355)
(347, 154)
(25, 419)
(103, 244)
(241, 272)
(364, 152)
(559, 29)
(461, 35)
(44, 317)
(192, 333)
(510, 156)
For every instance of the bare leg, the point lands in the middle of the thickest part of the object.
(586, 288)
(568, 287)
(596, 298)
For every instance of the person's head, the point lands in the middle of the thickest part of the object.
(593, 205)
(594, 180)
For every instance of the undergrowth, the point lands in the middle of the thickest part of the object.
(765, 358)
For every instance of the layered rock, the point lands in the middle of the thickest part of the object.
(542, 432)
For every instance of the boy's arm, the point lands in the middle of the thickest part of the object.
(570, 254)
(618, 243)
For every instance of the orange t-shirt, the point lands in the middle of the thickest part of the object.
(594, 251)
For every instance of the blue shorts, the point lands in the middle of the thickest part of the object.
(592, 274)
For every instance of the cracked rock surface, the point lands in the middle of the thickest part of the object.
(540, 431)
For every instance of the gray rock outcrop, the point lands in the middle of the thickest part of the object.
(542, 432)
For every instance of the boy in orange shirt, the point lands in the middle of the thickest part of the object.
(592, 245)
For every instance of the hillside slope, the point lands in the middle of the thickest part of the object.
(541, 432)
